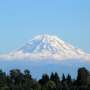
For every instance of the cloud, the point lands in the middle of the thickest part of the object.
(43, 56)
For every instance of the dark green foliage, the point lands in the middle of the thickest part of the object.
(55, 77)
(44, 79)
(69, 80)
(17, 80)
(63, 78)
(82, 77)
(52, 76)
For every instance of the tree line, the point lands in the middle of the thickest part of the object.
(17, 80)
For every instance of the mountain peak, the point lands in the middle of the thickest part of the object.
(46, 37)
(48, 46)
(43, 43)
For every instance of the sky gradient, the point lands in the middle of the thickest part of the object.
(20, 20)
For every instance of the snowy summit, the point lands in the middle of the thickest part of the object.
(47, 47)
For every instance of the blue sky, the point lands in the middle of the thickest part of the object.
(20, 20)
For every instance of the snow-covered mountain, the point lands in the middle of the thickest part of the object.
(47, 47)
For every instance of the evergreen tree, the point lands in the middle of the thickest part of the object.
(69, 80)
(52, 76)
(56, 78)
(82, 76)
(44, 79)
(63, 78)
(16, 76)
(27, 74)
